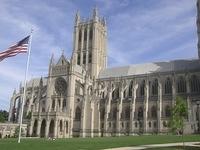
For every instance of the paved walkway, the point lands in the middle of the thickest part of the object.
(156, 145)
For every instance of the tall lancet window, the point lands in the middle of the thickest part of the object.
(91, 34)
(181, 85)
(80, 36)
(78, 59)
(194, 84)
(78, 114)
(85, 38)
(142, 88)
(130, 90)
(79, 39)
(155, 87)
(90, 57)
(84, 58)
(168, 86)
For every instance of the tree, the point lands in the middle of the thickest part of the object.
(16, 134)
(179, 113)
(3, 115)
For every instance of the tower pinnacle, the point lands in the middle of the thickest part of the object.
(77, 18)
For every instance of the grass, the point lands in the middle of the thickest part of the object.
(92, 143)
(175, 148)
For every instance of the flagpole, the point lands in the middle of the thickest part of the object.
(24, 91)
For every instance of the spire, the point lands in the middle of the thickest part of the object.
(95, 13)
(77, 18)
(20, 87)
(52, 59)
(14, 92)
(41, 82)
(104, 21)
(51, 63)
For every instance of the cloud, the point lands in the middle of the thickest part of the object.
(51, 35)
(146, 32)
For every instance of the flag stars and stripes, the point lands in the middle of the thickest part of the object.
(19, 47)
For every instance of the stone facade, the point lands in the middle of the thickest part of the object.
(81, 97)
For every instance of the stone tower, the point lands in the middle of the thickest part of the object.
(89, 49)
(198, 25)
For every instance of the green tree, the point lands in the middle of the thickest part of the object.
(3, 115)
(16, 134)
(179, 113)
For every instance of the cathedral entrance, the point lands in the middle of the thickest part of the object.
(51, 128)
(42, 129)
(34, 133)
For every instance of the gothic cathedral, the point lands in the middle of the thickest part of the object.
(81, 97)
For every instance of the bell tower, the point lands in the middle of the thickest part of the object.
(89, 49)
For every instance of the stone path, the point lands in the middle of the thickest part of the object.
(157, 145)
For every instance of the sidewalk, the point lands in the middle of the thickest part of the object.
(156, 145)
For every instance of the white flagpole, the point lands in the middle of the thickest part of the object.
(24, 91)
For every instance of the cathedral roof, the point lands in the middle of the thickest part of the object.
(148, 68)
(36, 81)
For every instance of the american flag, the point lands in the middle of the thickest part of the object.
(19, 47)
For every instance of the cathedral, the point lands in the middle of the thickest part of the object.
(81, 97)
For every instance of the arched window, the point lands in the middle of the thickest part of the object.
(78, 114)
(78, 59)
(114, 113)
(194, 84)
(61, 126)
(43, 109)
(127, 113)
(115, 94)
(102, 114)
(53, 104)
(181, 85)
(149, 124)
(51, 128)
(34, 132)
(84, 58)
(140, 113)
(42, 128)
(80, 36)
(66, 126)
(155, 87)
(168, 86)
(124, 94)
(153, 112)
(142, 88)
(90, 34)
(64, 103)
(85, 34)
(90, 57)
(130, 89)
(136, 124)
(167, 111)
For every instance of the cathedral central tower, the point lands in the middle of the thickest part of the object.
(90, 43)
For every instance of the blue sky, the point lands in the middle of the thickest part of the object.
(139, 31)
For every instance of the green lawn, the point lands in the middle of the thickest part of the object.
(175, 148)
(91, 143)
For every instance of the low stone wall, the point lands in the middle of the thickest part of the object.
(8, 130)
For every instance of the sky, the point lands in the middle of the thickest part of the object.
(139, 31)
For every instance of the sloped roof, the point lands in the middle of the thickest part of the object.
(148, 68)
(36, 81)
